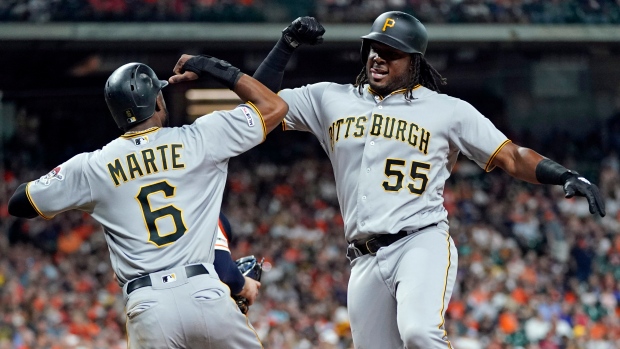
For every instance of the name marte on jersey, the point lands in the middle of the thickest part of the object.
(145, 162)
(381, 126)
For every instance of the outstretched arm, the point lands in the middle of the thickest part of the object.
(526, 164)
(272, 108)
(303, 30)
(519, 162)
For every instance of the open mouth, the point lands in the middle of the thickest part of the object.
(378, 74)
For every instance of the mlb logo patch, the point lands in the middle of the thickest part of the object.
(248, 116)
(131, 117)
(140, 140)
(166, 279)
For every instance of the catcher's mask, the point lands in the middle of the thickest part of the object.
(130, 93)
(399, 30)
(250, 267)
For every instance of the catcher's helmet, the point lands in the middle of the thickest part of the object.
(399, 30)
(130, 93)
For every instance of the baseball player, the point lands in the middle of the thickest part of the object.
(226, 267)
(392, 140)
(157, 192)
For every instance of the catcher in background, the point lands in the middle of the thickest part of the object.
(244, 289)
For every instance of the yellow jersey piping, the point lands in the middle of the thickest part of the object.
(33, 204)
(262, 120)
(489, 167)
(402, 90)
(140, 133)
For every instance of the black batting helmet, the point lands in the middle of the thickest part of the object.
(399, 30)
(130, 93)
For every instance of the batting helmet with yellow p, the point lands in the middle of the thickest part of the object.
(399, 30)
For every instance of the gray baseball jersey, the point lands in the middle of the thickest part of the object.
(391, 157)
(158, 194)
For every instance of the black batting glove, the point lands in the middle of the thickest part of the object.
(218, 69)
(303, 30)
(576, 185)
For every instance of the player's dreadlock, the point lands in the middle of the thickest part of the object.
(421, 72)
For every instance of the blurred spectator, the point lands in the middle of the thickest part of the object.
(363, 11)
(535, 270)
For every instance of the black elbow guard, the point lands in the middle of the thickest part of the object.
(218, 69)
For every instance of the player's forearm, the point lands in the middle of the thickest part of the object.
(519, 162)
(271, 70)
(228, 271)
(272, 107)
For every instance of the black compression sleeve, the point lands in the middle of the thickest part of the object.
(228, 271)
(550, 172)
(271, 70)
(19, 205)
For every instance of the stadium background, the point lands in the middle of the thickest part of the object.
(535, 270)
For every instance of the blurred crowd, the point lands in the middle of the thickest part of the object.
(536, 270)
(429, 11)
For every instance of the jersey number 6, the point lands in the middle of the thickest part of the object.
(151, 216)
(417, 172)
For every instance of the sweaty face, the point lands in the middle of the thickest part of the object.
(387, 68)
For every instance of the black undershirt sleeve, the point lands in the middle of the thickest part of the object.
(271, 71)
(19, 205)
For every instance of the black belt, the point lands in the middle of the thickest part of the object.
(372, 245)
(144, 281)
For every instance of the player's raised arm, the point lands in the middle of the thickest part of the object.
(528, 165)
(303, 30)
(272, 107)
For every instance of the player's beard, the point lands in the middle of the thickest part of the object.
(166, 122)
(391, 85)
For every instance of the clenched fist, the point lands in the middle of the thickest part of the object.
(303, 30)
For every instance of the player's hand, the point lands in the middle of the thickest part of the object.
(250, 290)
(182, 75)
(192, 67)
(303, 30)
(577, 185)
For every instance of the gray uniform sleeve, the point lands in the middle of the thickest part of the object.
(304, 108)
(65, 187)
(475, 135)
(232, 132)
